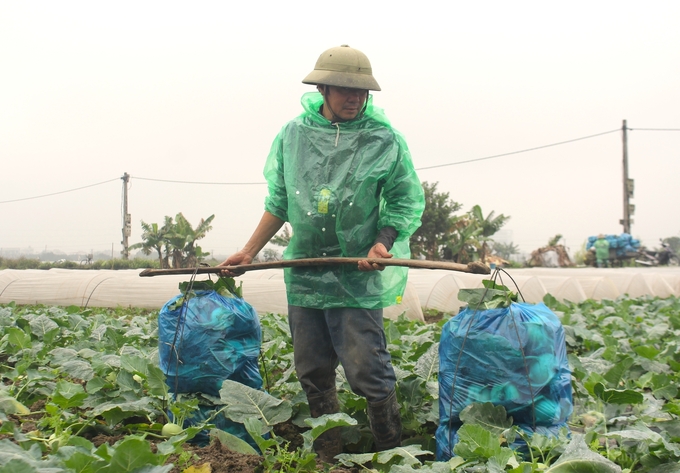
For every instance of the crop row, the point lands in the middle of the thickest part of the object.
(72, 377)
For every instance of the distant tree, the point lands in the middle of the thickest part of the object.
(674, 243)
(438, 220)
(489, 225)
(504, 250)
(283, 237)
(471, 235)
(175, 241)
(444, 235)
(153, 238)
(192, 254)
(555, 240)
(462, 241)
(168, 225)
(269, 254)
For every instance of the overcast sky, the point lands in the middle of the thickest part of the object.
(196, 92)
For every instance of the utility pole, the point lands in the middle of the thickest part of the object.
(628, 186)
(127, 219)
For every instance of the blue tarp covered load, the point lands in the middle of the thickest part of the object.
(506, 356)
(204, 341)
(212, 339)
(623, 244)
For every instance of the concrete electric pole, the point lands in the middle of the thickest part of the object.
(127, 219)
(628, 186)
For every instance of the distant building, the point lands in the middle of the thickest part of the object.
(10, 252)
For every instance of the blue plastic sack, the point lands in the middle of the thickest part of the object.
(488, 366)
(205, 341)
(209, 339)
(623, 244)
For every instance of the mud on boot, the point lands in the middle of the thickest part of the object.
(328, 444)
(385, 422)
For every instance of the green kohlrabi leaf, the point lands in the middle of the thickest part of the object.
(618, 396)
(62, 355)
(244, 402)
(114, 412)
(226, 287)
(9, 405)
(492, 418)
(130, 454)
(18, 338)
(78, 369)
(69, 395)
(41, 325)
(323, 423)
(619, 371)
(17, 465)
(12, 455)
(134, 364)
(428, 364)
(407, 454)
(491, 296)
(476, 443)
(156, 380)
(485, 299)
(232, 442)
(256, 428)
(577, 457)
(126, 381)
(666, 468)
(647, 351)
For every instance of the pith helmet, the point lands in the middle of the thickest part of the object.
(343, 67)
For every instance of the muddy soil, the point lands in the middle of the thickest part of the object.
(223, 460)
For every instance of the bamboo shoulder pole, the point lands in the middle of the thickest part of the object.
(474, 267)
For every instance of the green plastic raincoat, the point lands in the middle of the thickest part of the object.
(601, 249)
(338, 184)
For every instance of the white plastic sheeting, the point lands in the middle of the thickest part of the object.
(265, 290)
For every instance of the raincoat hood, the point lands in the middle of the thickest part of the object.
(312, 102)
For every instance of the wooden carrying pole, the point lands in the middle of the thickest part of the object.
(474, 267)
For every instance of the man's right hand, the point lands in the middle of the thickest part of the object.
(236, 259)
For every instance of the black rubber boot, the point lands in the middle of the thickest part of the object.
(385, 422)
(328, 444)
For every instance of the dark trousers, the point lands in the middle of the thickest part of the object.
(354, 337)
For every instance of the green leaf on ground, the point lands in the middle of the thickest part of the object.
(244, 402)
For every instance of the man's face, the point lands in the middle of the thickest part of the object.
(346, 103)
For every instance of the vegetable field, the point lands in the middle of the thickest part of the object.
(82, 392)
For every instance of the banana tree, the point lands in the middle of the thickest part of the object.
(182, 241)
(488, 225)
(153, 238)
(462, 242)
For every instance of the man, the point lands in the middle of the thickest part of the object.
(344, 180)
(601, 246)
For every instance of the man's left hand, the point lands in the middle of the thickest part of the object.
(377, 251)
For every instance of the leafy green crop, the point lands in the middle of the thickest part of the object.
(70, 375)
(224, 286)
(491, 296)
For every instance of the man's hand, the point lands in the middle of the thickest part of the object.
(377, 251)
(237, 258)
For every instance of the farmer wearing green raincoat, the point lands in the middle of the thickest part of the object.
(601, 246)
(344, 179)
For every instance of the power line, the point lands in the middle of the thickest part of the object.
(417, 169)
(520, 151)
(654, 129)
(57, 193)
(199, 182)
